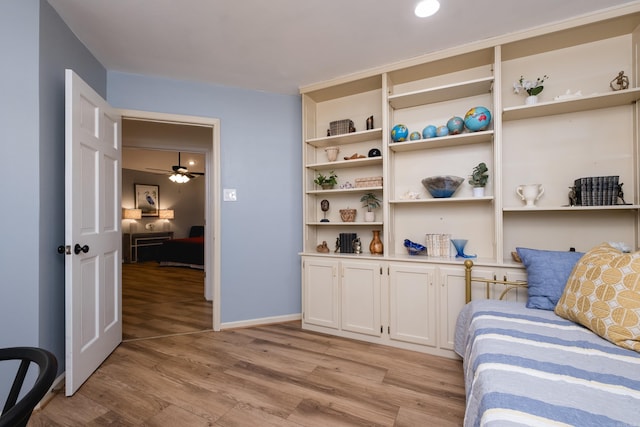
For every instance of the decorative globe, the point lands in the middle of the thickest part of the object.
(442, 131)
(455, 125)
(414, 136)
(399, 133)
(442, 186)
(429, 132)
(477, 119)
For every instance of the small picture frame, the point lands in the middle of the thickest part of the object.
(147, 199)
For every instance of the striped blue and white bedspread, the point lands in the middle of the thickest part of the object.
(529, 367)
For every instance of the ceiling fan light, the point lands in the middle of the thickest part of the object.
(179, 178)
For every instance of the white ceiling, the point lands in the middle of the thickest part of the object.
(139, 135)
(279, 45)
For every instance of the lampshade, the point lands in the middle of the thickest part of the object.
(166, 214)
(179, 178)
(131, 213)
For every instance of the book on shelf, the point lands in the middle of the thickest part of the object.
(438, 245)
(596, 190)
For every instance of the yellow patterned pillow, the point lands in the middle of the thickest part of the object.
(603, 294)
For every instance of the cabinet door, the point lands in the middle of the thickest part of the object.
(361, 297)
(452, 299)
(412, 304)
(320, 293)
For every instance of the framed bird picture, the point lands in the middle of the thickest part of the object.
(147, 199)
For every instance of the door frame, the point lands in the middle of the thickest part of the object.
(212, 195)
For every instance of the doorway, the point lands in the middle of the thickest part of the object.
(175, 136)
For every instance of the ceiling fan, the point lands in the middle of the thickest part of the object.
(182, 170)
(181, 174)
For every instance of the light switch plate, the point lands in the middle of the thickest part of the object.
(229, 195)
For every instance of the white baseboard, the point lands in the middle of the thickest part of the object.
(260, 322)
(58, 384)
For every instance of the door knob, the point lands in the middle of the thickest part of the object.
(77, 249)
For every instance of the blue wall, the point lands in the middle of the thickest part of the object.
(36, 47)
(19, 102)
(261, 155)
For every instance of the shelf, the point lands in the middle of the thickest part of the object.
(572, 208)
(444, 141)
(344, 190)
(442, 93)
(326, 224)
(347, 138)
(343, 164)
(443, 200)
(574, 105)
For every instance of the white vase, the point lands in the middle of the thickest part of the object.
(531, 100)
(332, 153)
(530, 194)
(369, 216)
(478, 191)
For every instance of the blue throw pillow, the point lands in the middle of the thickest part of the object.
(547, 275)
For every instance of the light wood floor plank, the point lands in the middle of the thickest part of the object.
(273, 375)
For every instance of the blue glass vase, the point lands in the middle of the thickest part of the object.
(459, 244)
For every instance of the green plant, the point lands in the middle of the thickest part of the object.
(371, 202)
(326, 180)
(532, 88)
(479, 176)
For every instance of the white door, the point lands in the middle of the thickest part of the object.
(93, 304)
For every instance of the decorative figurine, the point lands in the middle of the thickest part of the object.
(357, 246)
(370, 123)
(324, 206)
(337, 244)
(621, 193)
(573, 198)
(323, 247)
(621, 81)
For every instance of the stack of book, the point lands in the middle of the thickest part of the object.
(438, 245)
(596, 190)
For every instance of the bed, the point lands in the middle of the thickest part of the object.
(530, 366)
(186, 252)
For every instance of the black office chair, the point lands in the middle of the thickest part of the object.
(17, 413)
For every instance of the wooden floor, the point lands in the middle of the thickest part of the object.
(275, 375)
(158, 301)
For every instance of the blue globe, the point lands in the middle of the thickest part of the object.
(429, 132)
(414, 136)
(399, 133)
(455, 125)
(477, 118)
(442, 131)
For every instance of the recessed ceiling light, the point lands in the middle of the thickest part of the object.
(427, 8)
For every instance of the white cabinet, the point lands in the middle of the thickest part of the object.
(412, 303)
(321, 295)
(342, 294)
(402, 304)
(360, 289)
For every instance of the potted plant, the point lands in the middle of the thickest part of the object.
(326, 182)
(371, 202)
(478, 179)
(531, 88)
